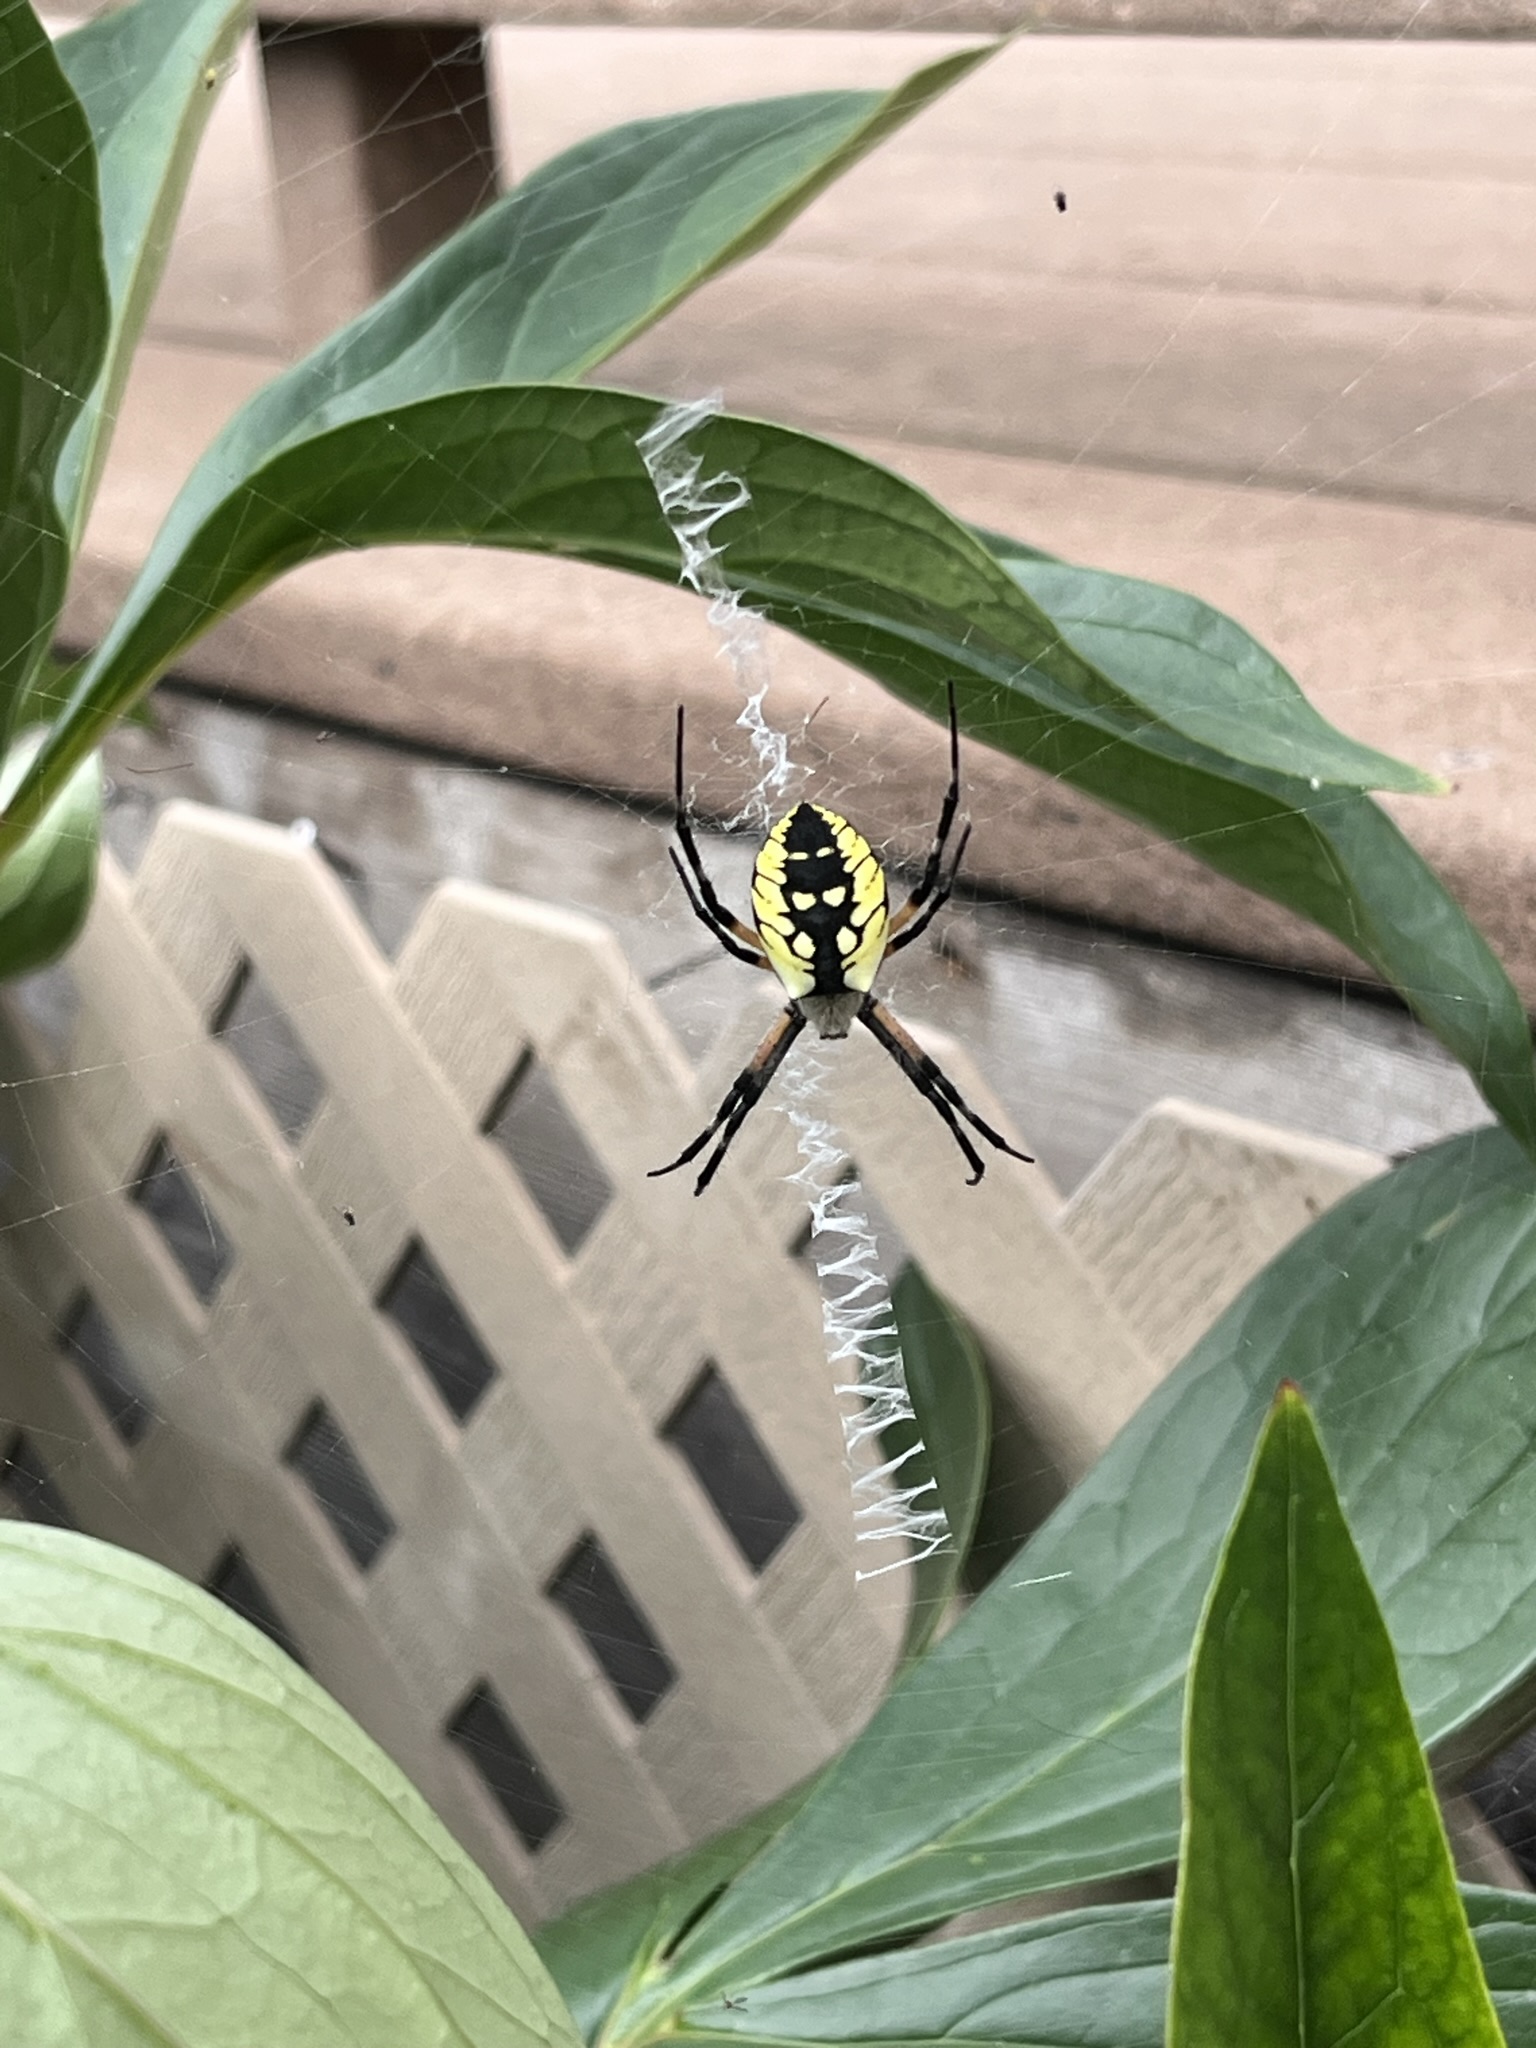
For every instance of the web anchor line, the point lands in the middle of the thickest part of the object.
(858, 1317)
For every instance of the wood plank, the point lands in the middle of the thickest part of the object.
(1190, 1204)
(1374, 18)
(1344, 396)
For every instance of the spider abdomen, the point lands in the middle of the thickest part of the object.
(819, 903)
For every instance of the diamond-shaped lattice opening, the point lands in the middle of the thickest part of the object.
(508, 1768)
(532, 1125)
(88, 1339)
(165, 1191)
(419, 1301)
(326, 1462)
(712, 1433)
(592, 1596)
(25, 1482)
(233, 1582)
(256, 1029)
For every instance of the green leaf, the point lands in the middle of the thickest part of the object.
(853, 559)
(1504, 1927)
(1196, 667)
(951, 1399)
(53, 325)
(147, 76)
(1038, 1743)
(46, 887)
(616, 1936)
(1317, 1899)
(1202, 673)
(585, 254)
(198, 1849)
(1095, 1978)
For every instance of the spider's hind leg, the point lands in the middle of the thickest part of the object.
(931, 1081)
(744, 1093)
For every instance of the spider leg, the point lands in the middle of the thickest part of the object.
(743, 1094)
(936, 901)
(706, 903)
(930, 1080)
(930, 874)
(721, 931)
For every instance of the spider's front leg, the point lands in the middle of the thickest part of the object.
(738, 939)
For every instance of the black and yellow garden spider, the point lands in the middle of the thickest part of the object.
(823, 927)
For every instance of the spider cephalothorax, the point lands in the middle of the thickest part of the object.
(819, 901)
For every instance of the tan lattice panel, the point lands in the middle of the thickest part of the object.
(433, 1578)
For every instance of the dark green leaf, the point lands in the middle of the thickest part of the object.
(855, 560)
(947, 1379)
(597, 1946)
(53, 326)
(1317, 1899)
(1202, 674)
(47, 691)
(199, 1849)
(147, 76)
(1096, 1978)
(46, 886)
(1504, 1928)
(585, 254)
(1038, 1743)
(1367, 885)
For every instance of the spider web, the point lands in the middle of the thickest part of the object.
(1135, 408)
(858, 1317)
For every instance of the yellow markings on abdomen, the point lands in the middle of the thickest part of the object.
(826, 935)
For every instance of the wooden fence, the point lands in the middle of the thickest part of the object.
(338, 1285)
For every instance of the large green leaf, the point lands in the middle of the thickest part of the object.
(952, 1406)
(616, 1936)
(581, 257)
(1097, 1978)
(859, 562)
(146, 76)
(198, 1849)
(45, 890)
(1504, 1928)
(1201, 671)
(1317, 1900)
(1368, 886)
(1038, 1743)
(53, 325)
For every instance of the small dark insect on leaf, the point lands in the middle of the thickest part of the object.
(734, 2004)
(1061, 202)
(349, 1218)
